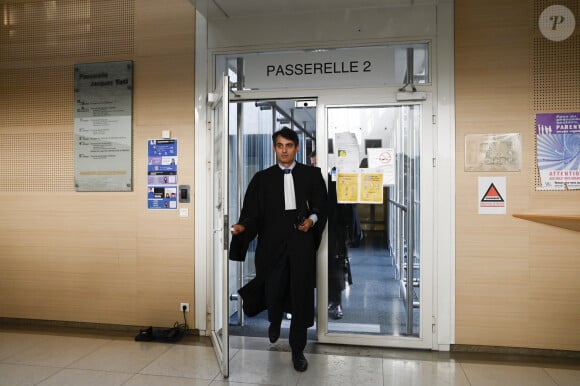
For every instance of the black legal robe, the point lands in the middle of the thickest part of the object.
(264, 215)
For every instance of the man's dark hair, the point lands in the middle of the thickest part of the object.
(287, 133)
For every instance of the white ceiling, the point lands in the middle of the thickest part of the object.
(217, 9)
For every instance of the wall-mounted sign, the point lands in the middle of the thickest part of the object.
(320, 68)
(558, 150)
(162, 174)
(493, 152)
(103, 126)
(492, 195)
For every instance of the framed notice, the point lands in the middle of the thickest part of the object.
(493, 152)
(103, 127)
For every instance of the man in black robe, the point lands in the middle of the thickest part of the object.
(285, 206)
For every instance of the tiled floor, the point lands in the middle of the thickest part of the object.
(60, 358)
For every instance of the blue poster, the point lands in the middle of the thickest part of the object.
(162, 174)
(558, 150)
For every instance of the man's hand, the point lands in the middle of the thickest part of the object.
(236, 229)
(306, 225)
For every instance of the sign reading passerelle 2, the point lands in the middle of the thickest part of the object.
(328, 68)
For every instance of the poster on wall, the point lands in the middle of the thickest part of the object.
(492, 195)
(162, 174)
(103, 126)
(558, 150)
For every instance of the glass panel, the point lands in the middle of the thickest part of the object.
(368, 244)
(217, 219)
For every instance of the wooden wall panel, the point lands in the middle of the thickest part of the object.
(96, 257)
(516, 281)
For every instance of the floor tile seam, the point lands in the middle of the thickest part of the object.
(92, 370)
(167, 347)
(98, 370)
(182, 376)
(288, 353)
(31, 365)
(464, 373)
(161, 376)
(105, 341)
(550, 376)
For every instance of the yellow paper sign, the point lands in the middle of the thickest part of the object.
(371, 188)
(347, 187)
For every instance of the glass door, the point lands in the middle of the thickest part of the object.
(251, 125)
(378, 256)
(220, 234)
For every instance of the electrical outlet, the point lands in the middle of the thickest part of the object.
(184, 307)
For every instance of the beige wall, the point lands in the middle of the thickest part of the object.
(94, 257)
(516, 281)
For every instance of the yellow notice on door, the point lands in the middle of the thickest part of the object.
(371, 188)
(347, 188)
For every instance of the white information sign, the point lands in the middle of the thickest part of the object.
(347, 152)
(383, 161)
(492, 195)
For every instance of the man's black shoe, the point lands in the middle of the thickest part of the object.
(274, 332)
(299, 361)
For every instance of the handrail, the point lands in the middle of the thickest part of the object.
(400, 206)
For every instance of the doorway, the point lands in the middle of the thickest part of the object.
(378, 267)
(251, 125)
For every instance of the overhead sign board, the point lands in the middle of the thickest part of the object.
(320, 68)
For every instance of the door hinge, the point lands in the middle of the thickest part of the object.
(226, 231)
(434, 162)
(434, 119)
(434, 325)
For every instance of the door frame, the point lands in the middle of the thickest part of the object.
(385, 96)
(428, 321)
(442, 68)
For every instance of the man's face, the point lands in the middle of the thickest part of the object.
(285, 151)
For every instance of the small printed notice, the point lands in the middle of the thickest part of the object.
(382, 160)
(492, 195)
(359, 187)
(558, 144)
(347, 152)
(103, 126)
(347, 188)
(162, 174)
(371, 191)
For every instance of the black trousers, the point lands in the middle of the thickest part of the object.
(278, 301)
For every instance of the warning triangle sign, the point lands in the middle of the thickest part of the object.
(492, 195)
